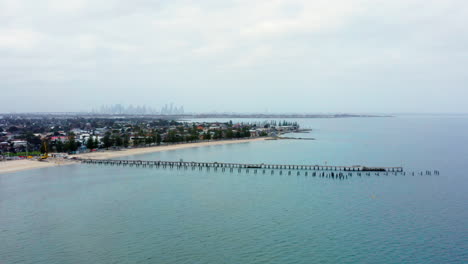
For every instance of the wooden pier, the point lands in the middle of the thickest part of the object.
(328, 171)
(239, 165)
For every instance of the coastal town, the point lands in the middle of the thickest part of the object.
(30, 137)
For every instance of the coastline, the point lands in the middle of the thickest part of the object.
(20, 165)
(137, 151)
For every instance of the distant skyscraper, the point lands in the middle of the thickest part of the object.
(119, 109)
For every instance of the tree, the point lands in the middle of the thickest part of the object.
(229, 133)
(44, 146)
(32, 139)
(193, 134)
(218, 134)
(171, 136)
(59, 146)
(12, 129)
(118, 140)
(106, 140)
(126, 141)
(148, 140)
(90, 143)
(96, 142)
(154, 136)
(158, 139)
(71, 144)
(246, 132)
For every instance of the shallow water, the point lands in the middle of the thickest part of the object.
(89, 213)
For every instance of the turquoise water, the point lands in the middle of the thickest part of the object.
(92, 214)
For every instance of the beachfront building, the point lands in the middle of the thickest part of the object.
(19, 143)
(63, 139)
(4, 146)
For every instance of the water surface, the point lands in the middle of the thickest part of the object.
(92, 214)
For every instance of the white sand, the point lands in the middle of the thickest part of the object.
(18, 165)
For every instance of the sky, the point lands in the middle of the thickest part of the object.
(321, 56)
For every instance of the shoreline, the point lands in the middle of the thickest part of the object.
(25, 164)
(21, 165)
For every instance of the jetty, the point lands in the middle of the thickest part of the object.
(328, 171)
(238, 165)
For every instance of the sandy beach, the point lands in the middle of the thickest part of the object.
(129, 152)
(19, 165)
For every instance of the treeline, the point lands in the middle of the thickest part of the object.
(117, 139)
(268, 124)
(18, 154)
(271, 123)
(69, 145)
(228, 134)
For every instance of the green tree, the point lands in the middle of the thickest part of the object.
(44, 146)
(12, 129)
(153, 136)
(96, 142)
(171, 136)
(246, 132)
(126, 141)
(106, 140)
(59, 146)
(90, 143)
(193, 134)
(148, 140)
(32, 139)
(136, 141)
(117, 140)
(218, 134)
(158, 139)
(229, 133)
(71, 144)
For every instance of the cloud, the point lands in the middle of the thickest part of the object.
(157, 42)
(19, 39)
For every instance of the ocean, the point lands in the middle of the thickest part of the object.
(97, 214)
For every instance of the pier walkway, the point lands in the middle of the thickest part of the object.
(313, 170)
(239, 165)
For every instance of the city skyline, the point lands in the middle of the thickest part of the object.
(170, 109)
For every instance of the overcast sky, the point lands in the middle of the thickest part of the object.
(353, 56)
